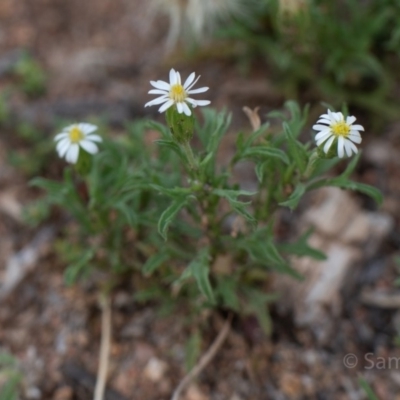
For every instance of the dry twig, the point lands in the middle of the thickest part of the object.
(204, 360)
(104, 347)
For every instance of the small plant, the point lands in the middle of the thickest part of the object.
(316, 49)
(10, 377)
(179, 221)
(32, 78)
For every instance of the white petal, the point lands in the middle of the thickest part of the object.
(87, 128)
(158, 91)
(357, 127)
(166, 105)
(89, 146)
(322, 139)
(354, 138)
(193, 102)
(350, 120)
(193, 83)
(62, 142)
(178, 78)
(68, 128)
(340, 145)
(61, 136)
(199, 90)
(160, 85)
(328, 144)
(94, 138)
(331, 116)
(156, 101)
(319, 127)
(72, 153)
(323, 134)
(352, 146)
(189, 80)
(62, 150)
(186, 109)
(173, 79)
(326, 116)
(202, 102)
(347, 147)
(324, 121)
(179, 107)
(338, 116)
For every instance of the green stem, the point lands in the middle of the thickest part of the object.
(311, 165)
(189, 154)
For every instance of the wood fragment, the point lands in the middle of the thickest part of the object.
(204, 360)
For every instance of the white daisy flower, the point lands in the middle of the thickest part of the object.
(176, 93)
(75, 136)
(337, 128)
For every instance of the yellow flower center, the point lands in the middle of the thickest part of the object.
(177, 93)
(340, 129)
(75, 135)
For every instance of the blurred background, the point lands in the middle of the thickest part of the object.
(65, 61)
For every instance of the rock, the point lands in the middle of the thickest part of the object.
(379, 152)
(24, 261)
(194, 393)
(155, 369)
(333, 213)
(63, 393)
(347, 235)
(290, 384)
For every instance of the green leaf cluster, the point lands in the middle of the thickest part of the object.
(177, 219)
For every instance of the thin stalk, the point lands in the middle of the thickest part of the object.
(104, 347)
(204, 360)
(189, 154)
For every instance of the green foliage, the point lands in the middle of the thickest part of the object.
(10, 375)
(31, 75)
(39, 147)
(367, 389)
(192, 350)
(338, 51)
(178, 221)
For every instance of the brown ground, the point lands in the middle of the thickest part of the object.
(99, 57)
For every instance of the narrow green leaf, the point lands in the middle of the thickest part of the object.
(128, 212)
(164, 130)
(257, 304)
(241, 209)
(238, 206)
(266, 254)
(260, 170)
(301, 248)
(200, 268)
(77, 269)
(265, 153)
(173, 146)
(204, 162)
(256, 134)
(352, 165)
(295, 197)
(232, 193)
(192, 350)
(367, 389)
(295, 149)
(223, 121)
(227, 289)
(154, 262)
(370, 191)
(173, 192)
(168, 215)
